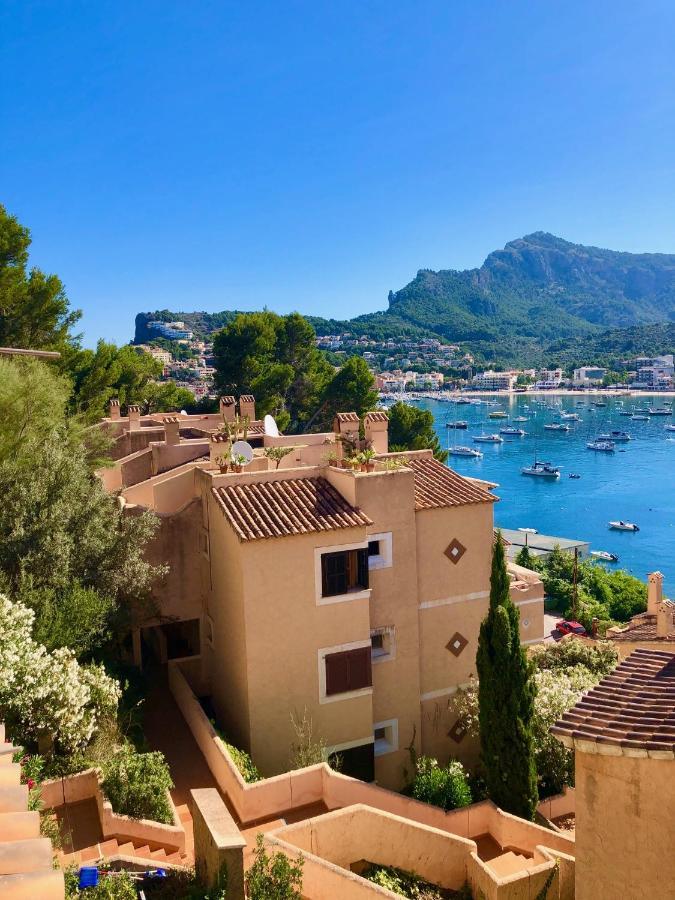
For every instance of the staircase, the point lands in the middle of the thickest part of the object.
(510, 863)
(149, 854)
(26, 870)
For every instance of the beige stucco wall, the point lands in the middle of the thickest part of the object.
(625, 821)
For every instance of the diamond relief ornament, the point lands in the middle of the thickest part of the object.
(456, 643)
(455, 551)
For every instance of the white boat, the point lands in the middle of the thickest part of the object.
(457, 424)
(488, 439)
(514, 432)
(571, 417)
(464, 451)
(601, 446)
(620, 525)
(604, 555)
(660, 411)
(541, 469)
(498, 414)
(669, 427)
(556, 426)
(640, 418)
(616, 435)
(520, 419)
(528, 530)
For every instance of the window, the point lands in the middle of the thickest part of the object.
(379, 550)
(348, 670)
(385, 735)
(382, 643)
(344, 572)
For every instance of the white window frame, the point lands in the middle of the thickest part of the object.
(384, 558)
(390, 743)
(336, 598)
(323, 652)
(386, 655)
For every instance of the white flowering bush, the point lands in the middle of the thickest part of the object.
(565, 671)
(48, 692)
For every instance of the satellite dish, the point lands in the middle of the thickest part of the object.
(270, 426)
(183, 413)
(243, 448)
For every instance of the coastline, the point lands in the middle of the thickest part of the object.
(556, 392)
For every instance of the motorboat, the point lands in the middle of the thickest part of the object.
(620, 525)
(574, 475)
(616, 435)
(498, 414)
(599, 403)
(514, 432)
(660, 411)
(626, 412)
(456, 424)
(541, 469)
(556, 426)
(488, 439)
(520, 419)
(601, 446)
(571, 417)
(464, 451)
(669, 427)
(528, 530)
(640, 418)
(604, 555)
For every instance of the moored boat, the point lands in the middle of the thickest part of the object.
(509, 429)
(541, 470)
(660, 411)
(457, 424)
(615, 435)
(464, 451)
(620, 525)
(605, 555)
(602, 446)
(498, 414)
(556, 426)
(488, 439)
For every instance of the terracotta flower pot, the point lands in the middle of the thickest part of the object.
(223, 469)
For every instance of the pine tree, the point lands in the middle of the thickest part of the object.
(524, 558)
(506, 692)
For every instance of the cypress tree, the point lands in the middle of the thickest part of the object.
(506, 692)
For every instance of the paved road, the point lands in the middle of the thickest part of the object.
(549, 626)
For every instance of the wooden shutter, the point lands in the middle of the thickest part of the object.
(337, 673)
(349, 670)
(363, 567)
(360, 669)
(334, 574)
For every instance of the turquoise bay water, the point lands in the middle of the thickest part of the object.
(636, 483)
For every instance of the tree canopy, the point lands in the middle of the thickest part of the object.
(34, 309)
(411, 428)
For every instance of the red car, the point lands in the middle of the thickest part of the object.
(568, 626)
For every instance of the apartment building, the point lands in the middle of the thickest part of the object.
(351, 598)
(494, 381)
(588, 376)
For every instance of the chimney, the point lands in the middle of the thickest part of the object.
(114, 410)
(346, 426)
(247, 406)
(134, 417)
(376, 428)
(227, 408)
(172, 430)
(654, 592)
(219, 445)
(664, 619)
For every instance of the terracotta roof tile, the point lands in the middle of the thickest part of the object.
(347, 417)
(269, 509)
(436, 486)
(247, 398)
(376, 416)
(633, 709)
(228, 400)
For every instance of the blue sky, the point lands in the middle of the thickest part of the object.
(313, 155)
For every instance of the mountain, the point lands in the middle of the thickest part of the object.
(537, 291)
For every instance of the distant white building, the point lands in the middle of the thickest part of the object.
(494, 381)
(588, 376)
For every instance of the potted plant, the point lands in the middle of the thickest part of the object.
(276, 454)
(367, 458)
(238, 461)
(223, 463)
(352, 462)
(331, 459)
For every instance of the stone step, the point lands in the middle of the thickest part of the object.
(10, 775)
(25, 856)
(19, 826)
(509, 863)
(46, 885)
(7, 752)
(14, 798)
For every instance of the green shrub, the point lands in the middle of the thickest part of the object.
(273, 876)
(444, 786)
(241, 759)
(599, 658)
(407, 884)
(136, 785)
(111, 887)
